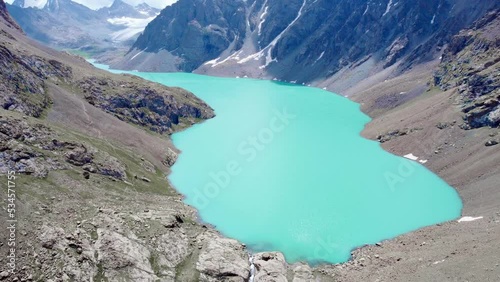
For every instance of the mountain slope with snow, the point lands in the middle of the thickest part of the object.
(300, 40)
(67, 24)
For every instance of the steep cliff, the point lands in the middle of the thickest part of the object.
(471, 62)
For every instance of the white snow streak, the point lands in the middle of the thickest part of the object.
(319, 58)
(268, 49)
(136, 55)
(366, 10)
(389, 5)
(263, 17)
(212, 62)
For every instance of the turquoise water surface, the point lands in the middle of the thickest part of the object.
(283, 167)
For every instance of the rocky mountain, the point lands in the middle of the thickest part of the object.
(299, 40)
(122, 9)
(470, 63)
(65, 24)
(146, 9)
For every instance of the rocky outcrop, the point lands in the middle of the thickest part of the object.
(303, 273)
(121, 256)
(151, 107)
(36, 150)
(196, 31)
(23, 76)
(270, 267)
(471, 63)
(222, 259)
(396, 133)
(22, 148)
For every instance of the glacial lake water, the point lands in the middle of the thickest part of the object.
(283, 168)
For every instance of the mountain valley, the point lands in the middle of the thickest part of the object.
(92, 149)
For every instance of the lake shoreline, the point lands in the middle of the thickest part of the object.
(375, 252)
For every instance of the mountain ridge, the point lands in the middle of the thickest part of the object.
(300, 41)
(65, 24)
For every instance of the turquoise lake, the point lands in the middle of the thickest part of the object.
(283, 168)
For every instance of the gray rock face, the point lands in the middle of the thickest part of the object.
(471, 63)
(22, 85)
(222, 259)
(196, 31)
(270, 267)
(304, 40)
(20, 146)
(116, 252)
(146, 106)
(303, 273)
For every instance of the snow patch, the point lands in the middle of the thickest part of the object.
(215, 62)
(35, 3)
(212, 62)
(132, 26)
(469, 218)
(411, 157)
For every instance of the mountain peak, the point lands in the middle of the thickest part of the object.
(142, 5)
(118, 4)
(145, 9)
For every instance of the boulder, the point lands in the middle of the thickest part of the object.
(270, 267)
(222, 259)
(122, 258)
(303, 273)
